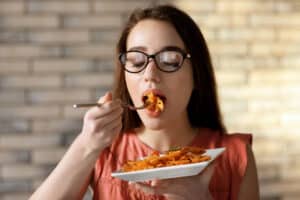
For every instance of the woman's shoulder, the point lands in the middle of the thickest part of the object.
(236, 139)
(215, 138)
(235, 143)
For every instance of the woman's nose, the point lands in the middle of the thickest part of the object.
(151, 72)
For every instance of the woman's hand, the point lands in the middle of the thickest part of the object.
(186, 188)
(102, 124)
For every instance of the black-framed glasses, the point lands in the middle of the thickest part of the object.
(167, 60)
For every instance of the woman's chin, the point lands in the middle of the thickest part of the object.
(153, 123)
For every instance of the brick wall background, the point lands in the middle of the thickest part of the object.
(54, 53)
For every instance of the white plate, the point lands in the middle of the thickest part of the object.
(169, 172)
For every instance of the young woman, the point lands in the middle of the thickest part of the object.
(161, 51)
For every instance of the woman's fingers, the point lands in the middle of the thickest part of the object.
(146, 188)
(105, 98)
(177, 188)
(113, 115)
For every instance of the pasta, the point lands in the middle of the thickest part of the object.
(185, 155)
(154, 102)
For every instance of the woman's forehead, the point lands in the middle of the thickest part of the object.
(153, 35)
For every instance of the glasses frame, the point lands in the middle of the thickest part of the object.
(153, 56)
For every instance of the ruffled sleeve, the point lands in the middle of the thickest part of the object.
(238, 159)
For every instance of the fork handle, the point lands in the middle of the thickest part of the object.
(83, 105)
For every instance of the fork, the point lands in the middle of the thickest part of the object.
(125, 105)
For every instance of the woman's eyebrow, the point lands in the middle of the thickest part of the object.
(171, 48)
(143, 48)
(139, 48)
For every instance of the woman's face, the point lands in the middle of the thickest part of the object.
(151, 36)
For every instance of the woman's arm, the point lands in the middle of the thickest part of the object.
(249, 188)
(70, 177)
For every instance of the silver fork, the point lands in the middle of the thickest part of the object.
(84, 105)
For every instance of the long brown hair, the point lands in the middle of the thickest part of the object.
(203, 108)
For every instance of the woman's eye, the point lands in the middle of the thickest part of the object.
(138, 64)
(171, 63)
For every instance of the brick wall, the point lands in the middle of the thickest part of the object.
(54, 53)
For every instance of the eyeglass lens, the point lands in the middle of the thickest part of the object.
(167, 61)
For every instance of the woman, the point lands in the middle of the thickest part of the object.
(161, 51)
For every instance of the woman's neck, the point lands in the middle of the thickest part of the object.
(174, 135)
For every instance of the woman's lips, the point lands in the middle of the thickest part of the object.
(156, 92)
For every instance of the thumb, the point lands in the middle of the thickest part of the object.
(208, 173)
(107, 97)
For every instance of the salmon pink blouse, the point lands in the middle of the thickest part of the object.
(225, 183)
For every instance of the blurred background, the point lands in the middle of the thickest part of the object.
(54, 53)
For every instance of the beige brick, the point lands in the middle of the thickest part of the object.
(248, 122)
(28, 51)
(268, 160)
(90, 51)
(21, 171)
(275, 49)
(244, 7)
(62, 7)
(29, 141)
(209, 34)
(247, 62)
(89, 80)
(290, 61)
(14, 156)
(29, 112)
(33, 81)
(14, 196)
(14, 186)
(61, 65)
(280, 188)
(233, 92)
(262, 91)
(12, 7)
(268, 172)
(226, 77)
(13, 36)
(74, 114)
(118, 6)
(30, 21)
(289, 35)
(13, 67)
(95, 21)
(290, 90)
(57, 125)
(12, 97)
(274, 76)
(279, 20)
(267, 105)
(239, 20)
(212, 21)
(227, 48)
(62, 96)
(285, 6)
(290, 118)
(15, 125)
(59, 37)
(191, 6)
(270, 147)
(47, 156)
(246, 34)
(105, 36)
(290, 197)
(235, 107)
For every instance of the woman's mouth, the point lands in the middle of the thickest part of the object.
(154, 101)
